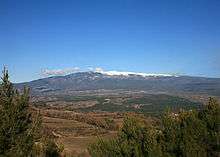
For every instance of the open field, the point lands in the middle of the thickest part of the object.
(75, 131)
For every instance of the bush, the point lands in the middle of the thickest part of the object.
(134, 139)
(51, 148)
(47, 147)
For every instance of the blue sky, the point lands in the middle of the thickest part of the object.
(152, 36)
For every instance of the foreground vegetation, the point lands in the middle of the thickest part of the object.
(21, 134)
(184, 134)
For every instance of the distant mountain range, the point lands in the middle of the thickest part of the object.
(154, 83)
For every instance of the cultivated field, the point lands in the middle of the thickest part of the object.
(75, 131)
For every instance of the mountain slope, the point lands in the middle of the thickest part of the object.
(82, 81)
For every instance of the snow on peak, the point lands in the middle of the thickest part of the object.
(121, 73)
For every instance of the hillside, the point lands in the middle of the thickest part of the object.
(83, 81)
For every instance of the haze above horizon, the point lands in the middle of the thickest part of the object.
(169, 37)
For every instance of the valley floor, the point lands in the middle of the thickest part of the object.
(76, 134)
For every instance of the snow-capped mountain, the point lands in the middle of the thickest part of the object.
(113, 80)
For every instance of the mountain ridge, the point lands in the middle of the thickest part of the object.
(129, 81)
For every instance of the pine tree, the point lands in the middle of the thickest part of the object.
(17, 126)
